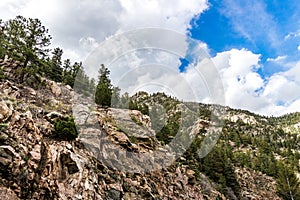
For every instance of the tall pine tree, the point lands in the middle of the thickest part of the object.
(288, 185)
(26, 40)
(55, 70)
(103, 94)
(2, 49)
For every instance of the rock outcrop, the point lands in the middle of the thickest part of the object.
(116, 155)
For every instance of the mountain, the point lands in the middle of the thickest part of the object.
(55, 143)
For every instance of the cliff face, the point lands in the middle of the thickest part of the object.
(34, 164)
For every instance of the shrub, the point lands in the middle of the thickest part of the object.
(65, 129)
(2, 76)
(3, 127)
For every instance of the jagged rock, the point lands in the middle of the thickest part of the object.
(106, 161)
(245, 118)
(130, 126)
(120, 136)
(53, 86)
(5, 111)
(130, 196)
(113, 194)
(30, 91)
(35, 153)
(256, 185)
(8, 194)
(9, 152)
(144, 120)
(53, 102)
(190, 172)
(3, 136)
(68, 163)
(82, 113)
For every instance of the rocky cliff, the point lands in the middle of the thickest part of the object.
(101, 162)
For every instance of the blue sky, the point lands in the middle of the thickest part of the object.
(259, 26)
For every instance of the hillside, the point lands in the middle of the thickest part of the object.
(66, 136)
(39, 160)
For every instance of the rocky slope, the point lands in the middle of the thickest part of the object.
(104, 161)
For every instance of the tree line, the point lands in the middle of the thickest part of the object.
(26, 40)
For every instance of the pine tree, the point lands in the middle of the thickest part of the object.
(2, 49)
(67, 73)
(71, 71)
(103, 94)
(26, 40)
(124, 101)
(81, 80)
(115, 102)
(220, 169)
(288, 185)
(55, 70)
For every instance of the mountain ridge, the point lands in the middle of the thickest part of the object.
(39, 163)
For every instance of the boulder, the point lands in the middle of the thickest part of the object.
(5, 111)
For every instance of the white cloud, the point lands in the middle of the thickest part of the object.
(245, 88)
(298, 48)
(174, 15)
(236, 68)
(281, 89)
(152, 65)
(72, 21)
(292, 35)
(277, 59)
(9, 9)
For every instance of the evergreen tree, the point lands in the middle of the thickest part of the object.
(26, 40)
(81, 80)
(55, 71)
(288, 185)
(67, 73)
(115, 102)
(124, 101)
(70, 72)
(2, 49)
(103, 94)
(92, 86)
(132, 105)
(220, 169)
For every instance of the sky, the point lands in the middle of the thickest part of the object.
(252, 47)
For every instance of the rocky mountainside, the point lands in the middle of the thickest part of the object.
(118, 153)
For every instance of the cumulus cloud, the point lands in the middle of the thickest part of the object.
(237, 70)
(174, 15)
(74, 22)
(246, 89)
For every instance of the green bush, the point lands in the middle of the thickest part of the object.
(2, 76)
(65, 129)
